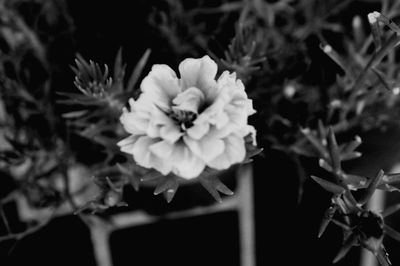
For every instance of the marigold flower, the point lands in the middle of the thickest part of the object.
(182, 125)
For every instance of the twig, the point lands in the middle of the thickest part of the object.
(5, 220)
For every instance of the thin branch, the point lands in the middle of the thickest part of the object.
(5, 220)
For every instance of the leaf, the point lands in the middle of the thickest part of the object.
(350, 241)
(212, 184)
(355, 182)
(75, 114)
(151, 176)
(389, 231)
(317, 143)
(383, 258)
(329, 186)
(134, 180)
(323, 164)
(333, 151)
(350, 156)
(329, 213)
(373, 183)
(251, 150)
(137, 71)
(390, 182)
(351, 146)
(168, 186)
(391, 210)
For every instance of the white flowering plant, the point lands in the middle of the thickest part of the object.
(292, 78)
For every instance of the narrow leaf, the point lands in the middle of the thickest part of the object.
(138, 70)
(212, 184)
(351, 241)
(151, 175)
(315, 142)
(168, 186)
(333, 151)
(329, 213)
(389, 231)
(170, 192)
(351, 146)
(371, 187)
(383, 258)
(329, 186)
(391, 210)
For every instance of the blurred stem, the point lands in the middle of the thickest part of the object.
(30, 230)
(301, 175)
(100, 233)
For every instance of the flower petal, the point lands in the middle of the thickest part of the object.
(206, 148)
(133, 123)
(198, 130)
(162, 149)
(235, 152)
(128, 143)
(199, 73)
(160, 86)
(171, 133)
(141, 152)
(144, 157)
(189, 100)
(185, 163)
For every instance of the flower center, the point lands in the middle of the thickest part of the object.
(183, 118)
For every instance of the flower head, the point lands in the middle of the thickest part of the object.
(182, 125)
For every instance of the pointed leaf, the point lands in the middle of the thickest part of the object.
(391, 210)
(137, 71)
(390, 182)
(329, 213)
(151, 175)
(329, 186)
(383, 258)
(389, 231)
(351, 146)
(168, 186)
(350, 241)
(212, 184)
(333, 151)
(315, 142)
(170, 192)
(371, 187)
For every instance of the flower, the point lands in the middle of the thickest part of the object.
(183, 125)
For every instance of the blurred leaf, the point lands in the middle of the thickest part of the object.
(329, 186)
(137, 71)
(168, 186)
(329, 213)
(213, 185)
(349, 242)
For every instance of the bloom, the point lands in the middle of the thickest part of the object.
(182, 125)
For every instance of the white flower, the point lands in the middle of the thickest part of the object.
(181, 125)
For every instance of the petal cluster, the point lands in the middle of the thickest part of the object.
(182, 125)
